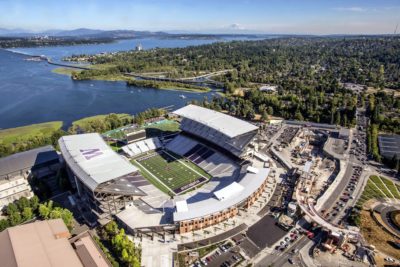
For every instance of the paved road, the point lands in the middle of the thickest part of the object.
(281, 258)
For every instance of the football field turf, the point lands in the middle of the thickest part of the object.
(175, 172)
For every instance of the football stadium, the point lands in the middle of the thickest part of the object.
(190, 180)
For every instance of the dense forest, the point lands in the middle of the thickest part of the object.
(312, 61)
(383, 110)
(311, 105)
(309, 73)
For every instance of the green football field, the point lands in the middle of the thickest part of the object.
(173, 171)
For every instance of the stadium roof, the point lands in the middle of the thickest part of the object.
(204, 203)
(27, 159)
(181, 206)
(228, 125)
(228, 191)
(92, 160)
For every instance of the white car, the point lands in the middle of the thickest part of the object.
(389, 259)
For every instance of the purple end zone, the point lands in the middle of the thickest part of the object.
(188, 186)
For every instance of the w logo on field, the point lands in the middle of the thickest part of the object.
(91, 153)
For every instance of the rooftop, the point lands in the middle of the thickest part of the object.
(205, 203)
(228, 125)
(27, 159)
(42, 243)
(389, 145)
(92, 160)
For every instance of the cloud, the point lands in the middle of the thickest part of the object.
(236, 26)
(351, 9)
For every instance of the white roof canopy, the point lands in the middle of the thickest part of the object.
(228, 191)
(181, 206)
(228, 125)
(252, 169)
(92, 160)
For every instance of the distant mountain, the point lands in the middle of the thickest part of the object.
(74, 33)
(84, 33)
(81, 33)
(14, 32)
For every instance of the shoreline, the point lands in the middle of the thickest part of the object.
(67, 71)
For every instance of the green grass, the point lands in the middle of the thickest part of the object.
(166, 127)
(370, 190)
(64, 71)
(152, 130)
(391, 186)
(20, 134)
(380, 184)
(85, 122)
(174, 173)
(152, 180)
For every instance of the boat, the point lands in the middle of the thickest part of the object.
(182, 96)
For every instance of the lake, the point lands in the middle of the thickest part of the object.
(31, 93)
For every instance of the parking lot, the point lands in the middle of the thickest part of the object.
(272, 232)
(224, 255)
(339, 210)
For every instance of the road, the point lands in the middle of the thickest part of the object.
(276, 258)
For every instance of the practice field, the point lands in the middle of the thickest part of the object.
(165, 169)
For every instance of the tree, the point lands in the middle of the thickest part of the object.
(4, 224)
(11, 209)
(68, 218)
(15, 218)
(22, 203)
(27, 214)
(34, 203)
(264, 115)
(44, 211)
(270, 110)
(337, 117)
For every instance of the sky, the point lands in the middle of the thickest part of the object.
(206, 16)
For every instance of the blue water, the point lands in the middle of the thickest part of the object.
(58, 52)
(31, 93)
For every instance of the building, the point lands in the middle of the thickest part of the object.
(101, 176)
(216, 142)
(88, 251)
(268, 88)
(224, 197)
(17, 169)
(208, 208)
(46, 243)
(229, 133)
(139, 47)
(42, 243)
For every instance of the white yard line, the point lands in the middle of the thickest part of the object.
(379, 188)
(155, 177)
(386, 187)
(201, 175)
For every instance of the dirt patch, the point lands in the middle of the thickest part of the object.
(376, 236)
(372, 90)
(396, 218)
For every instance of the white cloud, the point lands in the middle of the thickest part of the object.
(351, 9)
(236, 26)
